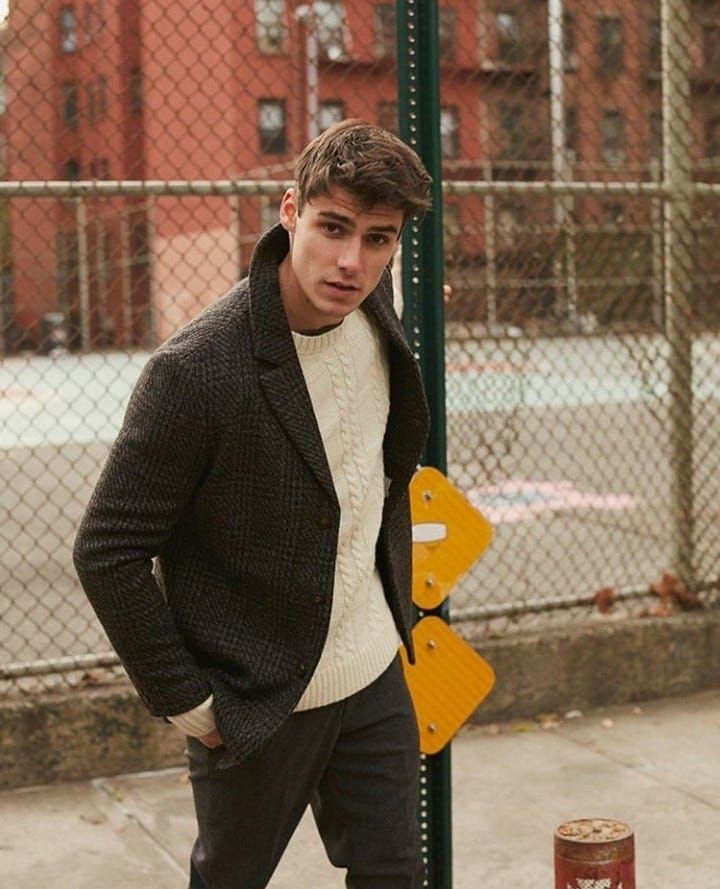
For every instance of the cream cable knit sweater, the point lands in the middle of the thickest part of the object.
(346, 372)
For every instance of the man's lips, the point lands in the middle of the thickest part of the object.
(339, 285)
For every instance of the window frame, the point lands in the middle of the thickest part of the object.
(277, 20)
(68, 22)
(272, 141)
(611, 52)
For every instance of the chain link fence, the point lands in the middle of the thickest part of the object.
(146, 147)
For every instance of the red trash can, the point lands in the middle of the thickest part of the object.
(594, 853)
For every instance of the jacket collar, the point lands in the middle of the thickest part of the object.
(283, 382)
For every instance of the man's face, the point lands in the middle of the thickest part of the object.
(337, 254)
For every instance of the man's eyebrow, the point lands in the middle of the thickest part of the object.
(350, 222)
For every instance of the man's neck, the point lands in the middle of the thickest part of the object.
(317, 330)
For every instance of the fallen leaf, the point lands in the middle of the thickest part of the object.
(607, 723)
(672, 591)
(574, 714)
(92, 677)
(524, 727)
(604, 599)
(548, 720)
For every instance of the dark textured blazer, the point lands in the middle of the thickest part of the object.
(219, 474)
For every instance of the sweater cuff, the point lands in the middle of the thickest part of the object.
(198, 721)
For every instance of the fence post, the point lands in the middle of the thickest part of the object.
(678, 181)
(419, 117)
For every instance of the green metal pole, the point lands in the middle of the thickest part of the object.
(419, 114)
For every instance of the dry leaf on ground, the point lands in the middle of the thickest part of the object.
(604, 599)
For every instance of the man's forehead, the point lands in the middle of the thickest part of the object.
(338, 203)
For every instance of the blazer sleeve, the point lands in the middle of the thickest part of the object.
(148, 479)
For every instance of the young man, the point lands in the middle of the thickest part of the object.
(263, 463)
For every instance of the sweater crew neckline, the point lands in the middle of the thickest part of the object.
(310, 345)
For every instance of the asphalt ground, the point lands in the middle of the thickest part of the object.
(564, 444)
(653, 766)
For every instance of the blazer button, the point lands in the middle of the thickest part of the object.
(324, 521)
(300, 669)
(317, 599)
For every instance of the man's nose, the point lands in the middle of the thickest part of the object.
(349, 258)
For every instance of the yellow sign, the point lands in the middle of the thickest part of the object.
(447, 682)
(449, 535)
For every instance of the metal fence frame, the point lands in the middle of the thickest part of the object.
(673, 193)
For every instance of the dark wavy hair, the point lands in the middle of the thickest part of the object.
(371, 163)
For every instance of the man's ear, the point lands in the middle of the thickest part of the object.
(288, 210)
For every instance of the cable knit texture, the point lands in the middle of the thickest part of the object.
(347, 375)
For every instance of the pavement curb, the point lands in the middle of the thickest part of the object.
(103, 731)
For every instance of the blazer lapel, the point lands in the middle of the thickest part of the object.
(408, 420)
(280, 374)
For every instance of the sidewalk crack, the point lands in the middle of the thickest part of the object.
(689, 794)
(115, 799)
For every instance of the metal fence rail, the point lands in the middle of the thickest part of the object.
(581, 217)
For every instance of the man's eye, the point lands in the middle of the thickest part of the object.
(380, 240)
(331, 228)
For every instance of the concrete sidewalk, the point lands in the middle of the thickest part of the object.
(655, 766)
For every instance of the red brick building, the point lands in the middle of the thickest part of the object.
(158, 90)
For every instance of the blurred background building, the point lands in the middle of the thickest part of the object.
(149, 90)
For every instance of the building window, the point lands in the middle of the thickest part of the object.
(272, 126)
(139, 243)
(711, 49)
(449, 132)
(654, 46)
(610, 45)
(136, 90)
(330, 113)
(72, 170)
(70, 108)
(507, 223)
(613, 212)
(385, 30)
(509, 44)
(656, 135)
(569, 40)
(388, 117)
(270, 29)
(68, 29)
(512, 131)
(330, 28)
(613, 138)
(712, 137)
(571, 134)
(446, 34)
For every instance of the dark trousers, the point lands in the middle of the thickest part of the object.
(355, 762)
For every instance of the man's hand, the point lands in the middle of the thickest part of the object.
(211, 739)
